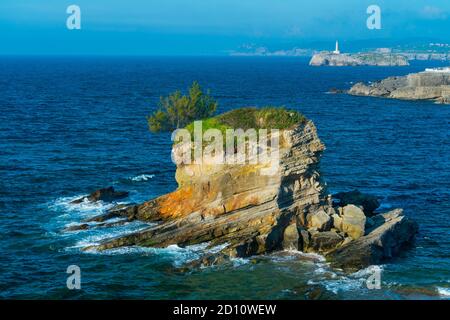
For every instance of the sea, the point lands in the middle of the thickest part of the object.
(72, 124)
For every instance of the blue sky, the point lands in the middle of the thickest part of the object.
(171, 27)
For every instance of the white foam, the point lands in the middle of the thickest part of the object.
(96, 236)
(344, 284)
(443, 292)
(237, 262)
(142, 177)
(217, 248)
(366, 272)
(82, 209)
(176, 254)
(338, 282)
(314, 256)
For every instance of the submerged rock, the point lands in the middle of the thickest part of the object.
(105, 194)
(77, 227)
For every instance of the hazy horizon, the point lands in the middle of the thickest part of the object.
(195, 27)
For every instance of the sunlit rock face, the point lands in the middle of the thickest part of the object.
(256, 208)
(238, 205)
(417, 86)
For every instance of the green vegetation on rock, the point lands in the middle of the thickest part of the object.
(177, 110)
(253, 118)
(250, 118)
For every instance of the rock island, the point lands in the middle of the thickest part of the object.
(243, 212)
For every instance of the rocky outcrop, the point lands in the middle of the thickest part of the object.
(390, 233)
(353, 221)
(358, 59)
(235, 205)
(368, 202)
(417, 86)
(245, 212)
(105, 194)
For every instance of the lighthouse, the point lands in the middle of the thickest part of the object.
(336, 51)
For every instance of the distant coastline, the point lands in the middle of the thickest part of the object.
(432, 84)
(358, 59)
(431, 52)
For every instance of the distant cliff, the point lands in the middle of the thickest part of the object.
(416, 86)
(358, 59)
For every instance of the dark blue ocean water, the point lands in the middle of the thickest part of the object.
(71, 125)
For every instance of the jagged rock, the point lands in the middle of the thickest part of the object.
(77, 227)
(353, 221)
(392, 232)
(346, 241)
(319, 220)
(105, 194)
(368, 202)
(337, 221)
(323, 242)
(304, 239)
(291, 237)
(336, 91)
(129, 213)
(416, 86)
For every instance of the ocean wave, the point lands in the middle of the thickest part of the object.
(237, 262)
(93, 237)
(444, 292)
(142, 177)
(312, 256)
(67, 214)
(338, 282)
(85, 207)
(178, 255)
(367, 272)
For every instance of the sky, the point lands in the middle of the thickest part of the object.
(212, 27)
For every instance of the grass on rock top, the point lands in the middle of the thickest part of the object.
(256, 118)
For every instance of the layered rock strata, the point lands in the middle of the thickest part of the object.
(417, 86)
(246, 212)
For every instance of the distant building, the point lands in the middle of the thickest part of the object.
(336, 51)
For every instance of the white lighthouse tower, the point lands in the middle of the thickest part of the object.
(336, 51)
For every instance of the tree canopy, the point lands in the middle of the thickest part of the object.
(177, 110)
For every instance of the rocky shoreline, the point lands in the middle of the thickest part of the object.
(247, 213)
(358, 59)
(433, 86)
